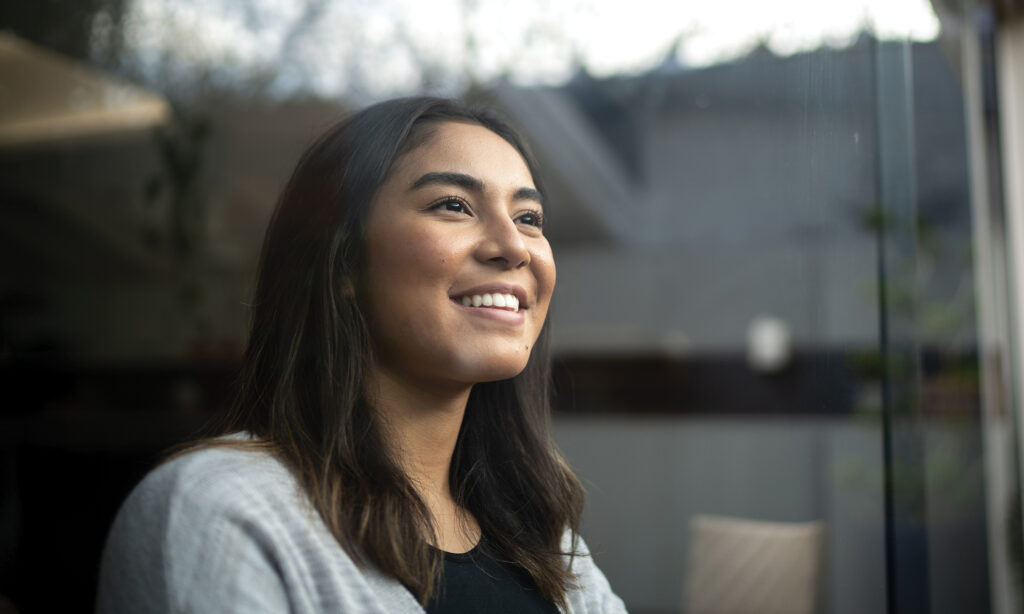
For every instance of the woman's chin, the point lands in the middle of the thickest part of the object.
(495, 370)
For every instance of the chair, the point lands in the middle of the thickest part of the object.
(737, 566)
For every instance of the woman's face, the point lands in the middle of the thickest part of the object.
(454, 234)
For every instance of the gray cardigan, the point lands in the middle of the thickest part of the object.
(224, 530)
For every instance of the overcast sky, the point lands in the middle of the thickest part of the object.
(387, 47)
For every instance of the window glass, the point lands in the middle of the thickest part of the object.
(766, 358)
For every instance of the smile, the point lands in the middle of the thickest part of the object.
(495, 300)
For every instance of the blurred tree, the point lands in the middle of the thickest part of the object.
(66, 26)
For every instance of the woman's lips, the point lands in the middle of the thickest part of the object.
(501, 295)
(494, 300)
(499, 314)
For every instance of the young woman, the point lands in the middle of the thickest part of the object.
(389, 448)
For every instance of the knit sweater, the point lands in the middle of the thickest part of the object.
(228, 530)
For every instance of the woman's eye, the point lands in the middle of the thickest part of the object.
(531, 218)
(452, 205)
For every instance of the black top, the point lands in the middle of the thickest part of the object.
(476, 582)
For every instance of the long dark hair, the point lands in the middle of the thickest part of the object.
(301, 386)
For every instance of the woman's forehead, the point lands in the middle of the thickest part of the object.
(467, 148)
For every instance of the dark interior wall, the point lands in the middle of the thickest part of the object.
(74, 440)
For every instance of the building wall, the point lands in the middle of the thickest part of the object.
(646, 478)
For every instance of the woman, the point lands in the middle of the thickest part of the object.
(389, 448)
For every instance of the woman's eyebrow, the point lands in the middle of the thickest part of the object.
(460, 179)
(528, 194)
(471, 183)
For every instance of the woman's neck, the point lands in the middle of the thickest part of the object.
(422, 425)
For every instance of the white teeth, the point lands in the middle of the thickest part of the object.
(505, 301)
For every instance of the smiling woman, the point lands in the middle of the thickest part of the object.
(457, 219)
(389, 446)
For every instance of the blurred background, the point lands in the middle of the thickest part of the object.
(790, 241)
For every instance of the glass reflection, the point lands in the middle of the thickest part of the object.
(766, 316)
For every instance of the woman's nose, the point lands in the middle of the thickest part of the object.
(503, 244)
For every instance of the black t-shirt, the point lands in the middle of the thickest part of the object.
(476, 582)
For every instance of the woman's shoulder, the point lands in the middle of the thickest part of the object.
(226, 528)
(592, 592)
(222, 473)
(221, 493)
(216, 511)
